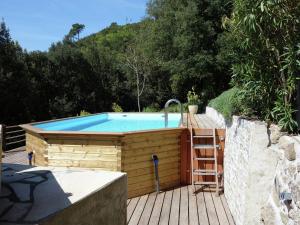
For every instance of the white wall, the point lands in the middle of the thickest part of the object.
(257, 170)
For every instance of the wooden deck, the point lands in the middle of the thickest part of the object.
(179, 207)
(199, 121)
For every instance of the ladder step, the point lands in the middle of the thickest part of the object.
(199, 146)
(203, 136)
(205, 159)
(204, 173)
(202, 170)
(204, 183)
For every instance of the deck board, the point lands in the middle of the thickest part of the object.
(166, 209)
(154, 219)
(148, 209)
(182, 206)
(135, 218)
(174, 215)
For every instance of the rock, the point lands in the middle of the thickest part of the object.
(287, 144)
(271, 215)
(295, 189)
(294, 214)
(275, 133)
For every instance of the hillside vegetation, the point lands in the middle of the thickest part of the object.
(135, 66)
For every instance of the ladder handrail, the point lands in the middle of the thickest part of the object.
(166, 112)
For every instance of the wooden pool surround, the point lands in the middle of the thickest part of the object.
(128, 152)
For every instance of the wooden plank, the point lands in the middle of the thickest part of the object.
(202, 212)
(129, 147)
(148, 170)
(227, 210)
(131, 207)
(174, 214)
(139, 165)
(154, 219)
(184, 155)
(148, 209)
(134, 220)
(220, 210)
(166, 208)
(148, 157)
(162, 173)
(150, 150)
(211, 211)
(184, 205)
(151, 183)
(193, 211)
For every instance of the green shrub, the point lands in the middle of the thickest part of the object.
(116, 108)
(175, 108)
(152, 108)
(265, 36)
(84, 113)
(228, 103)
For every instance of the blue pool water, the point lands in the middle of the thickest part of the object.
(113, 122)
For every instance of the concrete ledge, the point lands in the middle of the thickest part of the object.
(45, 195)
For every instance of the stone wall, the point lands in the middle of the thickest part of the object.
(283, 206)
(261, 173)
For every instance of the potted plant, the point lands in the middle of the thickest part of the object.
(193, 101)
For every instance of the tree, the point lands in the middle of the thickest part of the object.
(74, 32)
(185, 38)
(14, 82)
(266, 54)
(139, 64)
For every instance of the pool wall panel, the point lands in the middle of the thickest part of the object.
(137, 151)
(130, 153)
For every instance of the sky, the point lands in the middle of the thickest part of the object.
(35, 24)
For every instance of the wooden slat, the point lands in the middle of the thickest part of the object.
(154, 219)
(193, 211)
(220, 209)
(184, 205)
(148, 209)
(174, 215)
(131, 207)
(203, 217)
(138, 210)
(228, 213)
(211, 211)
(165, 212)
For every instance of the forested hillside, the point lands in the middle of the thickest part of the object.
(178, 45)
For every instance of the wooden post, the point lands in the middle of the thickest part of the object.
(185, 164)
(2, 138)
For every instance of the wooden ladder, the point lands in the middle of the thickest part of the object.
(210, 134)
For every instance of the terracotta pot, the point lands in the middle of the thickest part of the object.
(193, 109)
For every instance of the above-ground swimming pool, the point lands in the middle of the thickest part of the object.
(113, 122)
(112, 141)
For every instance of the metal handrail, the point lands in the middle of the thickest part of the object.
(166, 111)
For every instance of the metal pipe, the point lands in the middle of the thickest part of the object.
(166, 111)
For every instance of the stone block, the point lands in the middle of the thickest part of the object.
(275, 133)
(287, 144)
